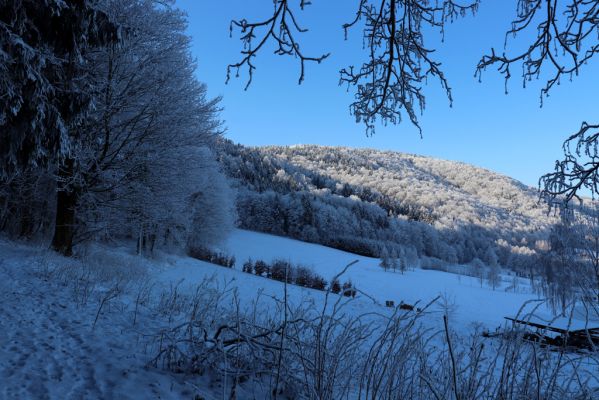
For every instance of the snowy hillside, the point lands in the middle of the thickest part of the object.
(468, 302)
(452, 192)
(370, 202)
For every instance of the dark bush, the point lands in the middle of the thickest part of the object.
(303, 277)
(297, 275)
(318, 283)
(261, 268)
(248, 266)
(349, 290)
(205, 254)
(335, 287)
(282, 271)
(363, 247)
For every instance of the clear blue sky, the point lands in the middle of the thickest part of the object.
(509, 134)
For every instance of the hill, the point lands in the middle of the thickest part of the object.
(379, 203)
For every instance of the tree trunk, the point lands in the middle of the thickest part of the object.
(26, 221)
(66, 202)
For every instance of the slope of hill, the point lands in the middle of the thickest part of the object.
(379, 202)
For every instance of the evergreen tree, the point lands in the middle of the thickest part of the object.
(47, 94)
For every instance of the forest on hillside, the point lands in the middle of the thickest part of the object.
(423, 211)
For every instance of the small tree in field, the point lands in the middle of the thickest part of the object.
(248, 266)
(403, 264)
(281, 270)
(395, 263)
(479, 269)
(303, 277)
(318, 283)
(348, 289)
(261, 268)
(494, 276)
(385, 262)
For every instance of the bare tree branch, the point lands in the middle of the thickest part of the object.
(577, 171)
(399, 63)
(564, 40)
(281, 28)
(562, 45)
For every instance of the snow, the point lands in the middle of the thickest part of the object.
(50, 348)
(468, 302)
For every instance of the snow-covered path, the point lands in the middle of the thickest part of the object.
(48, 355)
(48, 349)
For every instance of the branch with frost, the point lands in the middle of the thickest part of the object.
(282, 28)
(577, 171)
(564, 40)
(390, 82)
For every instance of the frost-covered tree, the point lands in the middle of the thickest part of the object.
(336, 286)
(47, 93)
(386, 261)
(561, 264)
(587, 232)
(493, 276)
(136, 163)
(479, 269)
(490, 257)
(397, 262)
(213, 207)
(152, 126)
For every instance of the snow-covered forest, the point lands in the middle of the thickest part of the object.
(143, 254)
(446, 210)
(130, 156)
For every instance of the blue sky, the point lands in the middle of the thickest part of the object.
(509, 134)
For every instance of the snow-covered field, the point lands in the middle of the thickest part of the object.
(468, 302)
(48, 348)
(63, 340)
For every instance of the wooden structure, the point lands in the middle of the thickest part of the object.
(578, 339)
